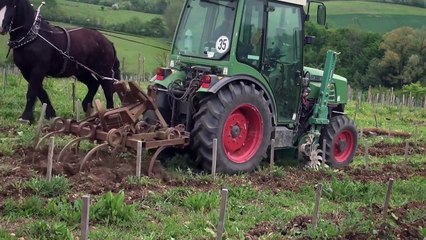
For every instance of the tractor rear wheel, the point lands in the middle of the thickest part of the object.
(341, 141)
(239, 117)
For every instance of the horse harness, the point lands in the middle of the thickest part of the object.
(33, 33)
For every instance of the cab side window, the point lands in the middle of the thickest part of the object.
(250, 38)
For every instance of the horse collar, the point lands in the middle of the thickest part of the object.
(29, 37)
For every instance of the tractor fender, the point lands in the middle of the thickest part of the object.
(246, 78)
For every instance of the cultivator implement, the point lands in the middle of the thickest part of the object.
(121, 128)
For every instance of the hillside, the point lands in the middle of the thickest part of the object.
(372, 16)
(106, 16)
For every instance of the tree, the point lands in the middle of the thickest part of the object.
(171, 16)
(404, 57)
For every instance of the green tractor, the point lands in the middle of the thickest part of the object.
(236, 75)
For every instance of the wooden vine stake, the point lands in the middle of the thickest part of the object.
(324, 149)
(366, 154)
(77, 110)
(221, 225)
(387, 199)
(85, 217)
(271, 163)
(214, 157)
(40, 123)
(4, 79)
(406, 151)
(139, 159)
(317, 204)
(50, 159)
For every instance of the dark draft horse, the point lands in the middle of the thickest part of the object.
(41, 50)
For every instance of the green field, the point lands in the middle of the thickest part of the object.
(106, 16)
(185, 204)
(375, 17)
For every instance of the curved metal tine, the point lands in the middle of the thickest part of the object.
(68, 145)
(90, 153)
(154, 157)
(45, 137)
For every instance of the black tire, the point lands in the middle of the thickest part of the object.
(341, 139)
(231, 107)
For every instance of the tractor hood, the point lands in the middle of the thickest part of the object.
(338, 91)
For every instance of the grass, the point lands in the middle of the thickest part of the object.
(373, 16)
(183, 212)
(106, 16)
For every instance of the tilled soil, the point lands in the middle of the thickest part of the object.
(397, 226)
(109, 172)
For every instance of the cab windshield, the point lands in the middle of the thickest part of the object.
(205, 30)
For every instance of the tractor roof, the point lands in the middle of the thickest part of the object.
(298, 2)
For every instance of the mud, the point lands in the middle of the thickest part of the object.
(398, 225)
(385, 149)
(381, 132)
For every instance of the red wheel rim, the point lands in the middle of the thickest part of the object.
(242, 133)
(343, 146)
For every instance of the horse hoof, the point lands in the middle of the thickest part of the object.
(24, 121)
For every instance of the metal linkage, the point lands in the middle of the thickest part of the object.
(122, 127)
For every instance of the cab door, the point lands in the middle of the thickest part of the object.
(283, 58)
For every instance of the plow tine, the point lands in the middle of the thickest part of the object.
(77, 140)
(91, 152)
(45, 137)
(154, 157)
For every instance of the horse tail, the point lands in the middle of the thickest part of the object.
(116, 65)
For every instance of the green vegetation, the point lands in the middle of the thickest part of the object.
(189, 207)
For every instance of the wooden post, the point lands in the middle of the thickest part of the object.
(139, 67)
(221, 225)
(361, 132)
(272, 155)
(143, 68)
(77, 110)
(50, 159)
(73, 96)
(389, 132)
(4, 79)
(324, 149)
(366, 154)
(416, 131)
(138, 159)
(400, 110)
(424, 104)
(406, 151)
(403, 99)
(356, 110)
(85, 217)
(317, 204)
(369, 94)
(409, 101)
(387, 200)
(214, 157)
(359, 98)
(40, 123)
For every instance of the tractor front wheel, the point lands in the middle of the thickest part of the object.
(341, 141)
(240, 118)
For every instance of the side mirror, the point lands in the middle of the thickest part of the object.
(321, 14)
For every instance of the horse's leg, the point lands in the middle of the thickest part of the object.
(108, 87)
(35, 87)
(44, 98)
(92, 86)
